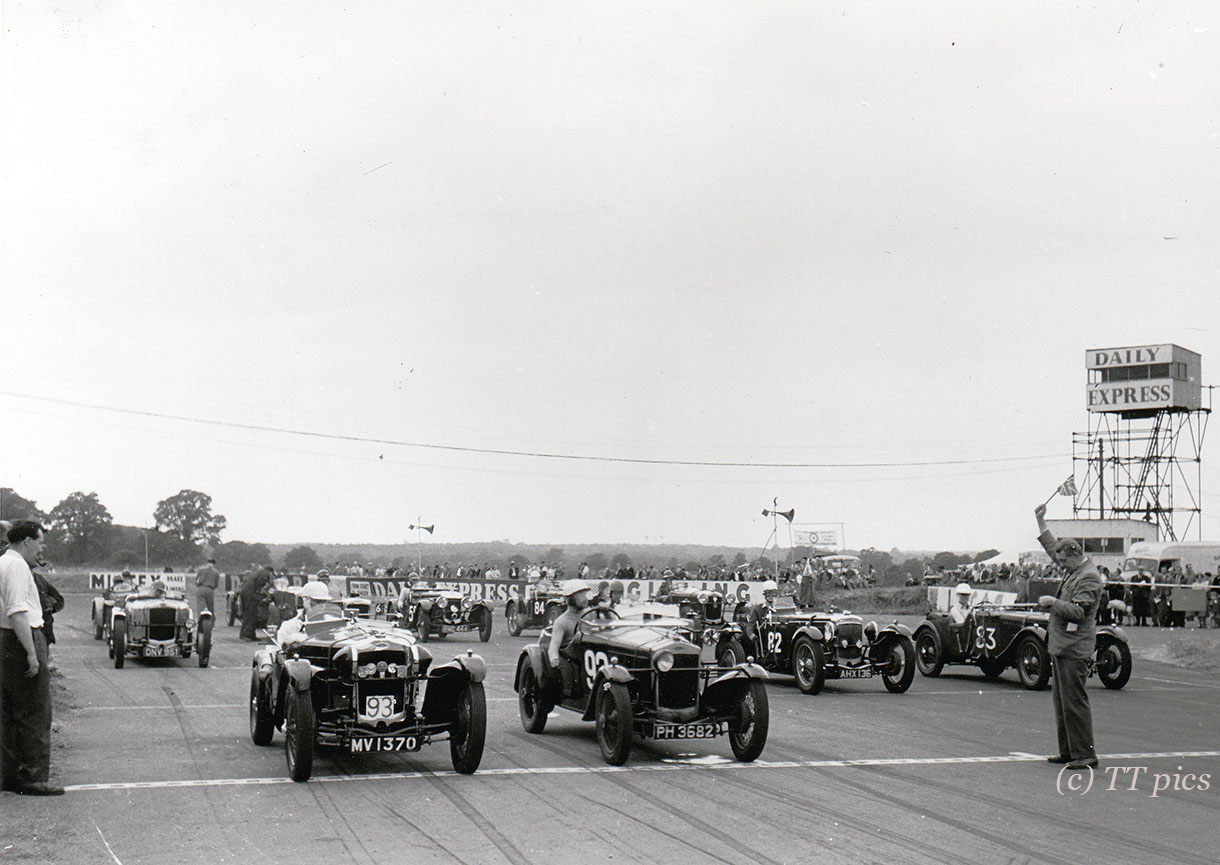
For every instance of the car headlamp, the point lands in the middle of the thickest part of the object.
(382, 666)
(830, 630)
(392, 669)
(467, 603)
(703, 597)
(664, 662)
(366, 670)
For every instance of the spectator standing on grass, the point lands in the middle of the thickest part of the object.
(25, 675)
(1071, 638)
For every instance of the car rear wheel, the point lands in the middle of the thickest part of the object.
(928, 655)
(203, 640)
(1113, 662)
(118, 642)
(299, 734)
(514, 619)
(730, 653)
(614, 722)
(484, 625)
(753, 721)
(808, 665)
(1033, 664)
(421, 624)
(532, 705)
(899, 669)
(262, 727)
(469, 729)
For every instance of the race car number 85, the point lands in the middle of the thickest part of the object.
(379, 707)
(984, 638)
(594, 661)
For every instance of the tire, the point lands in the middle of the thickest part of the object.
(98, 630)
(299, 734)
(533, 707)
(730, 653)
(808, 665)
(118, 642)
(1033, 663)
(754, 719)
(929, 656)
(262, 727)
(469, 729)
(485, 625)
(421, 624)
(992, 668)
(1113, 663)
(899, 670)
(552, 613)
(614, 722)
(203, 641)
(514, 623)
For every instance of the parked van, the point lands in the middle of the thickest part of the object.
(1202, 556)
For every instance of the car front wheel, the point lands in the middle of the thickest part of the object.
(1113, 663)
(753, 721)
(1033, 663)
(730, 653)
(514, 619)
(262, 727)
(808, 665)
(899, 669)
(484, 625)
(614, 722)
(928, 656)
(203, 641)
(469, 729)
(299, 734)
(118, 642)
(421, 624)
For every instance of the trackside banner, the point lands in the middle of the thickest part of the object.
(503, 590)
(174, 582)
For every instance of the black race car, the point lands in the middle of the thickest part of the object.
(994, 637)
(816, 646)
(432, 612)
(365, 686)
(538, 606)
(640, 677)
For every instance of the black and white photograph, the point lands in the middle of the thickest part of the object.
(465, 433)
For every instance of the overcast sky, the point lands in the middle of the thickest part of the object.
(720, 232)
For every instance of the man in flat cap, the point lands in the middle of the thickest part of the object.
(1071, 635)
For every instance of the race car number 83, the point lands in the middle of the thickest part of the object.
(984, 638)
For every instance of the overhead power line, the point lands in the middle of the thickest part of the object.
(517, 453)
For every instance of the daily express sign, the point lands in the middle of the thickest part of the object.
(1144, 392)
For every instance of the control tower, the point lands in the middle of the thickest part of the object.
(1142, 452)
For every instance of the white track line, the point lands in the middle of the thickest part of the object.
(647, 767)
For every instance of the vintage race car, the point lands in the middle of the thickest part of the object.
(433, 612)
(994, 637)
(145, 626)
(639, 677)
(816, 646)
(365, 686)
(538, 607)
(706, 622)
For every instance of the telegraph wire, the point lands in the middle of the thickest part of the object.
(343, 437)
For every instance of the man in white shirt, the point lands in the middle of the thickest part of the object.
(25, 677)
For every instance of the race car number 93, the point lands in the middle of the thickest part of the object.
(379, 706)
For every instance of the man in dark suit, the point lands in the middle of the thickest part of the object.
(1071, 638)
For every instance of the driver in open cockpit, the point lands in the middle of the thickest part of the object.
(576, 595)
(315, 605)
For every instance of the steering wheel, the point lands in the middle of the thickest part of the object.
(600, 613)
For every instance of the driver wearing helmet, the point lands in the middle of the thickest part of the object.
(315, 604)
(758, 612)
(576, 596)
(959, 610)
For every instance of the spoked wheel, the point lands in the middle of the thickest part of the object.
(928, 655)
(514, 619)
(262, 727)
(730, 653)
(421, 624)
(469, 729)
(118, 642)
(808, 665)
(203, 640)
(299, 734)
(899, 669)
(1113, 663)
(98, 630)
(485, 625)
(614, 722)
(1033, 663)
(530, 703)
(552, 613)
(753, 721)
